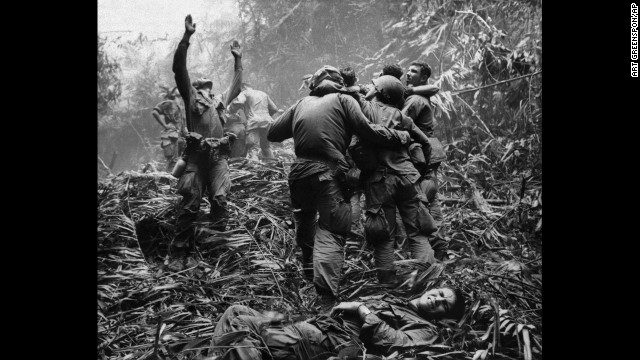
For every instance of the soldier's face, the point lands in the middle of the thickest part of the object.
(206, 89)
(414, 77)
(437, 302)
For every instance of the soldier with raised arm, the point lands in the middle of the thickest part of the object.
(207, 148)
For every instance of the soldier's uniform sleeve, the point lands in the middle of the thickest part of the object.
(236, 83)
(381, 338)
(161, 108)
(183, 82)
(282, 128)
(237, 103)
(373, 133)
(416, 134)
(411, 108)
(271, 106)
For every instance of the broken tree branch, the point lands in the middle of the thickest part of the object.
(458, 92)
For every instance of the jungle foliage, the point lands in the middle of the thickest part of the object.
(486, 57)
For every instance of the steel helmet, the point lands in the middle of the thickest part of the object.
(390, 88)
(202, 82)
(326, 72)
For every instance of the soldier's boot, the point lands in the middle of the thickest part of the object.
(179, 251)
(387, 277)
(307, 271)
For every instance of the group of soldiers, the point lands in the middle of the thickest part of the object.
(247, 117)
(374, 139)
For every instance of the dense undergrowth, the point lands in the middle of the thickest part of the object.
(492, 202)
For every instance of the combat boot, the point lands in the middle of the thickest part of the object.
(387, 277)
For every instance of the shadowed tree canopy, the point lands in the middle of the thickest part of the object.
(286, 39)
(109, 86)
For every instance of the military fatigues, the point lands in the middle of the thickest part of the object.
(204, 171)
(258, 108)
(236, 124)
(357, 227)
(393, 325)
(419, 110)
(172, 139)
(395, 183)
(321, 126)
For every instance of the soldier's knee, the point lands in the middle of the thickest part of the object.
(219, 200)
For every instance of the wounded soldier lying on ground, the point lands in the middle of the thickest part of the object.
(382, 324)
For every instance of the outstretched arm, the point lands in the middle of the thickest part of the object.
(180, 68)
(236, 84)
(424, 90)
(416, 134)
(375, 134)
(282, 128)
(159, 116)
(378, 336)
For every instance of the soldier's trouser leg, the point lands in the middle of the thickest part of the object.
(182, 144)
(301, 340)
(305, 214)
(171, 155)
(414, 213)
(219, 183)
(253, 144)
(380, 222)
(239, 318)
(238, 147)
(190, 186)
(306, 222)
(356, 213)
(334, 222)
(265, 145)
(429, 187)
(321, 193)
(400, 235)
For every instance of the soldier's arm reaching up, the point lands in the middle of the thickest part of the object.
(234, 90)
(180, 68)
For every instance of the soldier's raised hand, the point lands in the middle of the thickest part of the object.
(236, 50)
(189, 25)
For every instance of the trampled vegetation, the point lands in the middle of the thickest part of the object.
(486, 58)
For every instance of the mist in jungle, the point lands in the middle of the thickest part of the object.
(283, 40)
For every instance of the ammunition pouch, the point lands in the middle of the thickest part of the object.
(193, 143)
(417, 158)
(424, 220)
(341, 174)
(376, 227)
